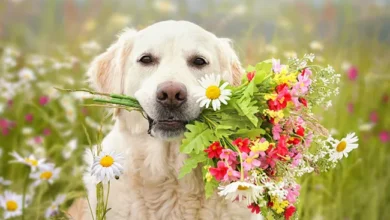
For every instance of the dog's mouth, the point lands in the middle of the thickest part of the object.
(166, 128)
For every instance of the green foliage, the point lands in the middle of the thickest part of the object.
(210, 187)
(191, 163)
(197, 138)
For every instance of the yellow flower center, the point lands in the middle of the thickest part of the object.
(46, 175)
(213, 92)
(107, 161)
(242, 187)
(32, 162)
(302, 85)
(11, 205)
(341, 146)
(249, 160)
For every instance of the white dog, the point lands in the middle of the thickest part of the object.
(160, 66)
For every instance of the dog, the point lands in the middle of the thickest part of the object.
(160, 66)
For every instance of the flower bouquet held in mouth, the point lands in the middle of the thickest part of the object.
(253, 141)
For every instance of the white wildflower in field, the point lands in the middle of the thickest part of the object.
(54, 208)
(90, 48)
(69, 148)
(26, 75)
(47, 174)
(4, 182)
(107, 166)
(290, 54)
(12, 204)
(165, 6)
(342, 147)
(271, 49)
(316, 45)
(30, 161)
(27, 131)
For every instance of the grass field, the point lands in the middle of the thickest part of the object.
(44, 44)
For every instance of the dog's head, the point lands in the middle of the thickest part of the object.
(161, 65)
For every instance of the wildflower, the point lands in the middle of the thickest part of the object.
(47, 174)
(242, 191)
(43, 100)
(229, 155)
(300, 131)
(242, 144)
(255, 209)
(214, 150)
(259, 145)
(293, 193)
(106, 166)
(276, 129)
(250, 161)
(29, 117)
(69, 148)
(219, 172)
(352, 73)
(90, 48)
(276, 67)
(289, 212)
(271, 49)
(231, 175)
(384, 136)
(302, 86)
(315, 45)
(12, 204)
(279, 205)
(250, 75)
(4, 182)
(46, 131)
(374, 117)
(212, 92)
(350, 107)
(30, 161)
(303, 101)
(165, 6)
(53, 209)
(343, 147)
(283, 96)
(26, 75)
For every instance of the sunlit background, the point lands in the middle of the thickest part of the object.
(44, 44)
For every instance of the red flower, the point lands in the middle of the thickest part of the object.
(294, 141)
(242, 144)
(29, 117)
(43, 100)
(254, 208)
(220, 171)
(214, 150)
(289, 212)
(300, 131)
(281, 148)
(283, 97)
(303, 101)
(250, 75)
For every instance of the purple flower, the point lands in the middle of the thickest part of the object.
(276, 131)
(384, 136)
(352, 73)
(29, 117)
(43, 100)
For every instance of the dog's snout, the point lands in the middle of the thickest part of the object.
(171, 94)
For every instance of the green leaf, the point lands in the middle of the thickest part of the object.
(263, 69)
(210, 188)
(250, 133)
(249, 90)
(191, 163)
(246, 107)
(197, 138)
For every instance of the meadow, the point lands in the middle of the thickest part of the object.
(48, 44)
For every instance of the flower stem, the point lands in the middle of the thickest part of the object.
(100, 202)
(24, 192)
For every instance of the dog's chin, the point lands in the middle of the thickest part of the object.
(167, 129)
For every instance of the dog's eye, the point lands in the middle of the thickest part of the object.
(146, 59)
(198, 61)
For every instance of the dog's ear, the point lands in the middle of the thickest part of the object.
(230, 62)
(106, 72)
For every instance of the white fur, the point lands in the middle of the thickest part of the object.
(149, 188)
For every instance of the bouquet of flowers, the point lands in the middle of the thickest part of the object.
(254, 140)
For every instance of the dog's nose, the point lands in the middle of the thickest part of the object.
(171, 94)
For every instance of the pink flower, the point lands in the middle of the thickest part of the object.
(46, 131)
(10, 103)
(276, 129)
(307, 72)
(385, 98)
(29, 117)
(302, 86)
(250, 161)
(231, 175)
(384, 136)
(43, 100)
(374, 117)
(293, 193)
(352, 73)
(4, 131)
(38, 140)
(276, 67)
(3, 123)
(308, 139)
(229, 155)
(296, 160)
(350, 107)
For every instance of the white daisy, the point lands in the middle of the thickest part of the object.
(241, 190)
(26, 74)
(53, 209)
(106, 166)
(212, 92)
(12, 204)
(30, 161)
(343, 147)
(4, 182)
(46, 174)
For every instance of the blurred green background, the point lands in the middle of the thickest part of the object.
(50, 43)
